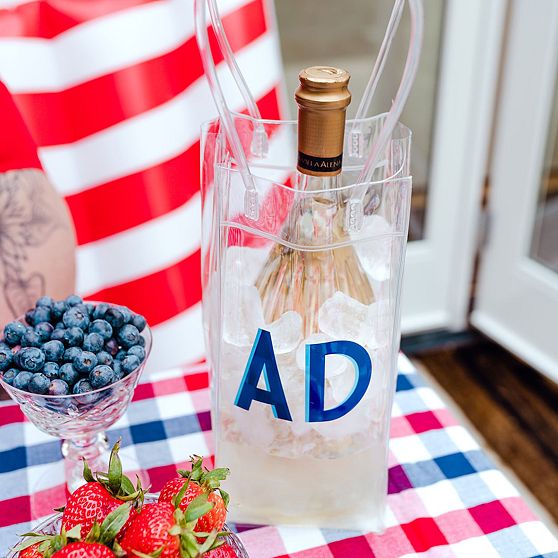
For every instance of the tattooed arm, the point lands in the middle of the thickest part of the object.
(37, 244)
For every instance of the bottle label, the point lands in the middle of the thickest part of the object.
(319, 164)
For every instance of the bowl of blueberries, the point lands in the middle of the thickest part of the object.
(72, 366)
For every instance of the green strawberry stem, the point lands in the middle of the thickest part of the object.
(49, 544)
(209, 480)
(116, 483)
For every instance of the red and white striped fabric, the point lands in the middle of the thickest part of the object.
(114, 95)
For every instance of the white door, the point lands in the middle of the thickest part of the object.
(517, 291)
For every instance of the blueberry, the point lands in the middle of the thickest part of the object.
(83, 386)
(104, 358)
(58, 387)
(126, 313)
(139, 321)
(85, 362)
(58, 309)
(115, 317)
(45, 301)
(111, 347)
(73, 336)
(54, 350)
(13, 333)
(93, 342)
(129, 364)
(121, 354)
(137, 350)
(41, 314)
(51, 370)
(73, 300)
(76, 317)
(101, 376)
(21, 381)
(100, 311)
(141, 341)
(30, 338)
(30, 316)
(44, 331)
(128, 336)
(31, 358)
(10, 375)
(71, 353)
(102, 327)
(39, 383)
(90, 308)
(57, 335)
(59, 325)
(118, 372)
(6, 358)
(69, 374)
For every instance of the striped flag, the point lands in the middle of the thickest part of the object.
(114, 95)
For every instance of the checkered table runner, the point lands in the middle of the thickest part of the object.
(446, 498)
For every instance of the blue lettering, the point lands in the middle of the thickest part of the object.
(262, 360)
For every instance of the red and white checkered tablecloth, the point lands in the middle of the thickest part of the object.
(446, 497)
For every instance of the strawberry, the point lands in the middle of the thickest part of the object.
(39, 545)
(172, 488)
(31, 552)
(164, 530)
(97, 544)
(214, 519)
(102, 494)
(89, 503)
(150, 531)
(200, 482)
(223, 551)
(84, 550)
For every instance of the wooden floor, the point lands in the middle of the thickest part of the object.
(513, 407)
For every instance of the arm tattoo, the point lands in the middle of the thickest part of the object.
(26, 222)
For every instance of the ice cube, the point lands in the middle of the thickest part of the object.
(286, 332)
(375, 253)
(334, 364)
(245, 263)
(343, 317)
(243, 313)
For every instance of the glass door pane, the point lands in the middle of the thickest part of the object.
(348, 34)
(544, 247)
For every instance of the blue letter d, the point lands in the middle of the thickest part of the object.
(315, 378)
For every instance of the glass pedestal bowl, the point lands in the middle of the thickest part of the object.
(52, 525)
(80, 421)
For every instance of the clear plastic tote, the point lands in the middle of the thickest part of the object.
(302, 317)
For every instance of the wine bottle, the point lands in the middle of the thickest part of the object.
(303, 273)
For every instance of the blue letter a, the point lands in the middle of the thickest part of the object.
(315, 378)
(262, 359)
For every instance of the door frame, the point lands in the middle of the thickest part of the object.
(439, 268)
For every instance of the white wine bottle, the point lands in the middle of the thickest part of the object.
(302, 279)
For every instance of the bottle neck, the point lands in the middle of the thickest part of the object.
(309, 183)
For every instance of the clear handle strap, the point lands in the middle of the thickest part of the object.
(251, 205)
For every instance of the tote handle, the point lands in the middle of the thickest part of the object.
(251, 205)
(354, 213)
